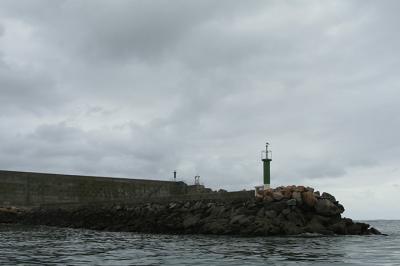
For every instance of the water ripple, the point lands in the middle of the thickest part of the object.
(24, 245)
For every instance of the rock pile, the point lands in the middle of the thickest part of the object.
(288, 210)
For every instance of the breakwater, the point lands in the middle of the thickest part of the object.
(28, 189)
(282, 211)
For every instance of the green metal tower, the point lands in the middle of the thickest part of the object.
(267, 167)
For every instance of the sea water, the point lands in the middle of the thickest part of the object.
(39, 245)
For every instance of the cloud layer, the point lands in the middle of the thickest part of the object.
(141, 88)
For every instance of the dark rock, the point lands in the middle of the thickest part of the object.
(270, 214)
(296, 218)
(9, 215)
(276, 206)
(215, 227)
(355, 229)
(261, 212)
(374, 231)
(339, 228)
(285, 210)
(326, 207)
(324, 220)
(240, 219)
(191, 221)
(216, 211)
(328, 197)
(251, 205)
(274, 230)
(262, 229)
(290, 228)
(341, 208)
(316, 227)
(198, 205)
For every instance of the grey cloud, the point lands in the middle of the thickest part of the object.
(141, 30)
(54, 146)
(140, 88)
(25, 90)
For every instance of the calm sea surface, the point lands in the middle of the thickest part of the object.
(23, 245)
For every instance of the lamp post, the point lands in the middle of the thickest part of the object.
(267, 167)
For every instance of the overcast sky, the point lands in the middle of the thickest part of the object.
(140, 88)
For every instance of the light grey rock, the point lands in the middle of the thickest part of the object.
(172, 205)
(240, 219)
(277, 196)
(291, 202)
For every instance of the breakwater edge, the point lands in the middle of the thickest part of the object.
(290, 210)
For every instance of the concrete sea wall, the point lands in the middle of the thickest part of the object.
(27, 189)
(33, 189)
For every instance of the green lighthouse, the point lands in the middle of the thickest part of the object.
(267, 167)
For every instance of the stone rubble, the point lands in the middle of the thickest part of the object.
(290, 210)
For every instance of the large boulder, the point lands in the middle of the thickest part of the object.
(270, 214)
(8, 215)
(291, 202)
(287, 192)
(358, 229)
(297, 196)
(316, 227)
(296, 218)
(309, 199)
(290, 228)
(339, 228)
(277, 196)
(328, 197)
(191, 221)
(217, 211)
(216, 227)
(277, 206)
(240, 220)
(300, 189)
(327, 208)
(268, 199)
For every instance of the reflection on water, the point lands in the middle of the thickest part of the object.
(55, 246)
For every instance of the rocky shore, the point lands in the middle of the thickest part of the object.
(288, 210)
